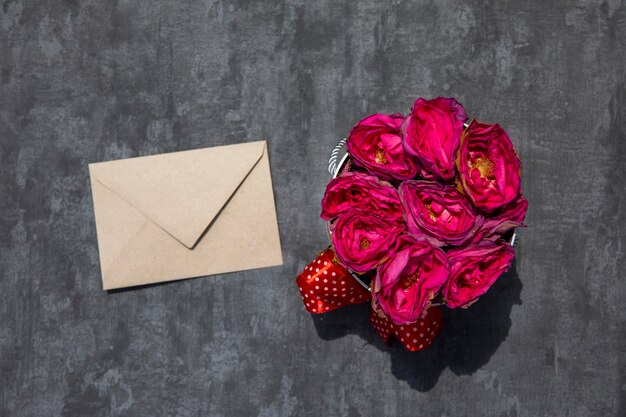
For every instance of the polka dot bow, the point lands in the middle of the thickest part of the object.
(325, 285)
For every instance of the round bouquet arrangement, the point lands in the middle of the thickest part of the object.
(421, 214)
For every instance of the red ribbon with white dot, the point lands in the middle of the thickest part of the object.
(415, 336)
(325, 285)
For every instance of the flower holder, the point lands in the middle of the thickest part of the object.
(440, 196)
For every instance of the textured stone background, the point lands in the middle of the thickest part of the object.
(85, 81)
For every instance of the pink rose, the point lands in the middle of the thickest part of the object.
(410, 279)
(364, 240)
(489, 168)
(473, 269)
(363, 191)
(432, 132)
(504, 219)
(375, 143)
(438, 210)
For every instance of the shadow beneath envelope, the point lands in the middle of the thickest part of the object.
(140, 287)
(468, 340)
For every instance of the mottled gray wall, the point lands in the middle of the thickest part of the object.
(85, 81)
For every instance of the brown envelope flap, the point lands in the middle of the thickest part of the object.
(182, 192)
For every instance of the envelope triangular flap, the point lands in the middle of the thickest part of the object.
(182, 192)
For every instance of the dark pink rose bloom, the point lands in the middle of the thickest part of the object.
(363, 191)
(363, 240)
(473, 269)
(504, 219)
(438, 210)
(375, 143)
(410, 279)
(432, 132)
(489, 168)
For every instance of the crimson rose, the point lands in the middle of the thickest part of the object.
(504, 219)
(375, 143)
(363, 191)
(362, 240)
(432, 133)
(410, 279)
(438, 210)
(473, 269)
(489, 168)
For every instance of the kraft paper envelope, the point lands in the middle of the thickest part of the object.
(185, 214)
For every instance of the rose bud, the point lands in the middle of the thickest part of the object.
(364, 240)
(432, 132)
(473, 269)
(438, 210)
(489, 168)
(410, 279)
(375, 143)
(363, 191)
(501, 221)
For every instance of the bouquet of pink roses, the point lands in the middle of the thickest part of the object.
(421, 214)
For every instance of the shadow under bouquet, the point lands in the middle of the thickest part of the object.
(421, 214)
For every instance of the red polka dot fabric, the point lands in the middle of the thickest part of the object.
(415, 336)
(325, 285)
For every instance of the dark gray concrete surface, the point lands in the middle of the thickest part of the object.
(86, 81)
